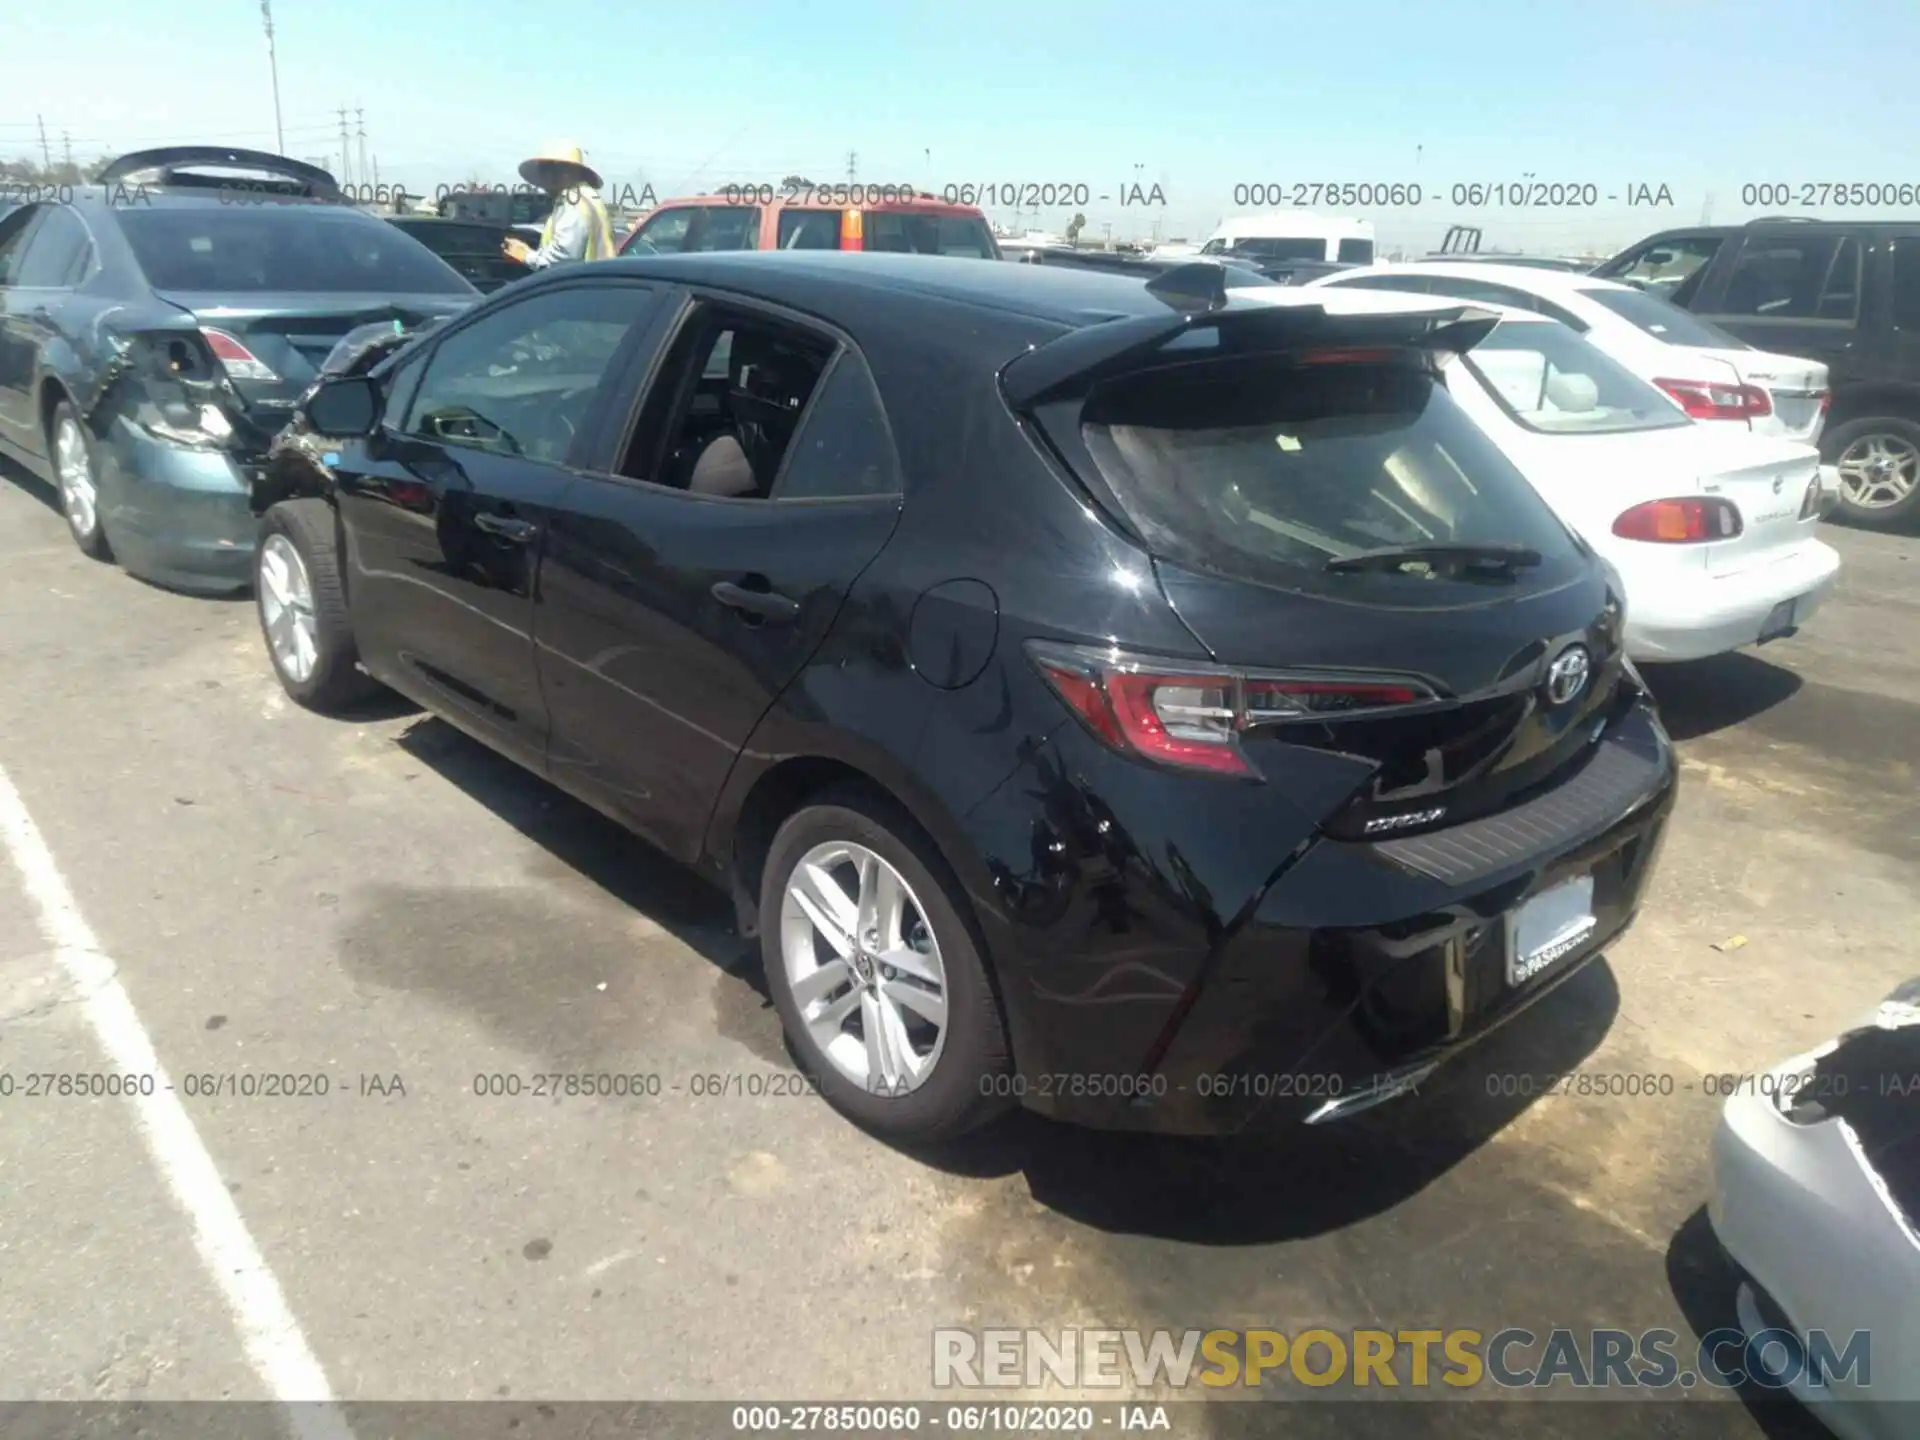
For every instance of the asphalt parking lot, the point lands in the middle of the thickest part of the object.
(278, 892)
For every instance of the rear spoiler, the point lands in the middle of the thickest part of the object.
(1082, 358)
(176, 164)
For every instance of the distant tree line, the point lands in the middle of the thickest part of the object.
(21, 171)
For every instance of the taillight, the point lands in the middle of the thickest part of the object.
(1810, 507)
(1826, 401)
(1680, 522)
(1193, 715)
(239, 362)
(1710, 400)
(853, 230)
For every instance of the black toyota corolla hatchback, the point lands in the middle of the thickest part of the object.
(1153, 703)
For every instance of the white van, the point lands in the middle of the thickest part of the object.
(1293, 235)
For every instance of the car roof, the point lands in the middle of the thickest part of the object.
(1060, 294)
(1292, 225)
(819, 198)
(1551, 284)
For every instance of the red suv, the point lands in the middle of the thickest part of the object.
(763, 218)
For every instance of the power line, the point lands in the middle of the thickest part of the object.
(273, 69)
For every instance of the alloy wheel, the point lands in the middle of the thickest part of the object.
(864, 968)
(1878, 472)
(286, 609)
(78, 496)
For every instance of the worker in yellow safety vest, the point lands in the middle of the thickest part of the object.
(578, 228)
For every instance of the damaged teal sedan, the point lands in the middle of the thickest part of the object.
(157, 328)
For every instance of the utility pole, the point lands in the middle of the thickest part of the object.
(346, 159)
(66, 150)
(360, 119)
(1706, 209)
(46, 155)
(853, 165)
(273, 71)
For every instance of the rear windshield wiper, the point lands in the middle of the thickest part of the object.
(1440, 553)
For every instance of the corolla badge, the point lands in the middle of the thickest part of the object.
(1567, 676)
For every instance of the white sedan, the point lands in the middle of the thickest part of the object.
(1712, 375)
(1711, 528)
(1816, 1198)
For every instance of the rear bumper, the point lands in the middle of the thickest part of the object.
(1829, 489)
(1707, 615)
(176, 516)
(1358, 969)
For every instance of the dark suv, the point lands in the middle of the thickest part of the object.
(1843, 292)
(1147, 702)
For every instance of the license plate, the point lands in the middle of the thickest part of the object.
(1549, 927)
(1779, 621)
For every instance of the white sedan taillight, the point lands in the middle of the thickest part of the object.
(1712, 400)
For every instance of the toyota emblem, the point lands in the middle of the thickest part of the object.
(1567, 676)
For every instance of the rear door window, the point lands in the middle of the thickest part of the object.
(1906, 283)
(844, 447)
(809, 229)
(1795, 277)
(1551, 381)
(1355, 252)
(1662, 320)
(1664, 266)
(725, 227)
(15, 229)
(920, 233)
(290, 248)
(59, 245)
(1266, 469)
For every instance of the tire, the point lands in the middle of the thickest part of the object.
(1886, 455)
(302, 606)
(78, 480)
(965, 1084)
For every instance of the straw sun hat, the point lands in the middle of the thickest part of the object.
(558, 166)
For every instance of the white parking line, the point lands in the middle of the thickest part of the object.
(271, 1336)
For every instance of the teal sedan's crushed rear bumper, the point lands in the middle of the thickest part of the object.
(175, 515)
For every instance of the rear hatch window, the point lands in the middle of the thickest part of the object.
(1267, 467)
(229, 249)
(1553, 382)
(917, 232)
(1663, 320)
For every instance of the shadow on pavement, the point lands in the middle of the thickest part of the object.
(1236, 1190)
(28, 483)
(583, 840)
(1703, 1279)
(1305, 1181)
(1698, 697)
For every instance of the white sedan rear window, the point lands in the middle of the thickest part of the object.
(1550, 380)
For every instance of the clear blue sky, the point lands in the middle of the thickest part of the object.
(1703, 97)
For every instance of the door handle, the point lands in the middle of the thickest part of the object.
(762, 603)
(507, 527)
